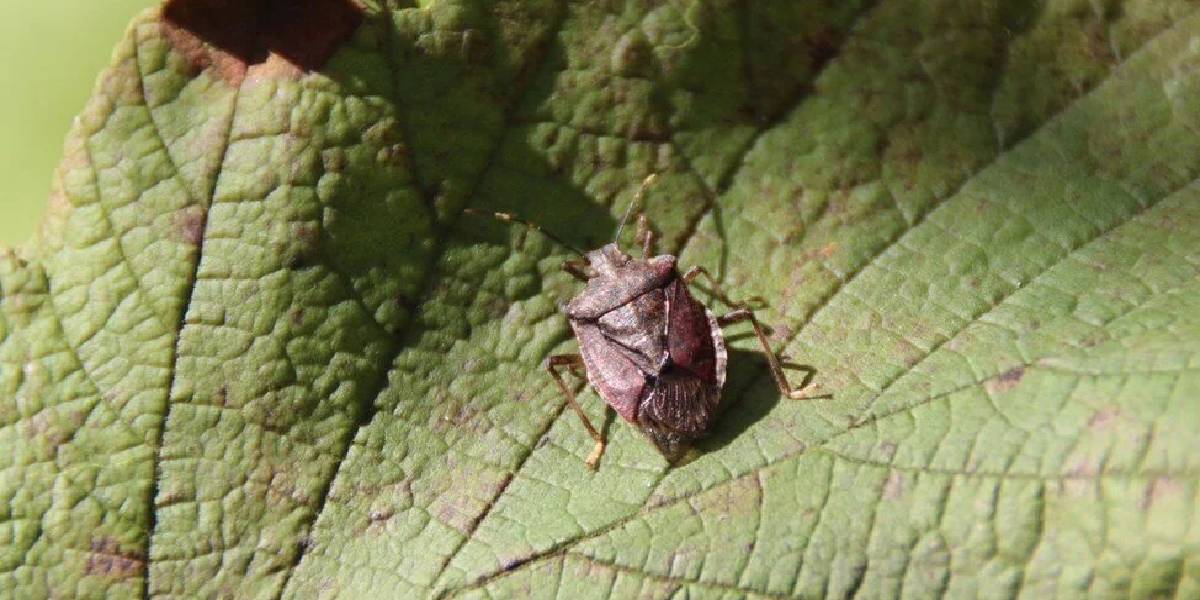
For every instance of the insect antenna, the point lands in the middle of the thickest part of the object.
(511, 219)
(637, 201)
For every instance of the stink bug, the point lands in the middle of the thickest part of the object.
(647, 346)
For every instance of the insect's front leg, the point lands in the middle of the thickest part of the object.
(573, 362)
(695, 272)
(776, 367)
(646, 235)
(578, 268)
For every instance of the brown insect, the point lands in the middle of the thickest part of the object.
(648, 347)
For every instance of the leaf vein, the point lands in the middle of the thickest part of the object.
(474, 524)
(1009, 475)
(825, 300)
(174, 361)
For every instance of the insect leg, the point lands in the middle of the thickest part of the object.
(510, 219)
(578, 268)
(646, 235)
(635, 205)
(745, 314)
(571, 362)
(693, 273)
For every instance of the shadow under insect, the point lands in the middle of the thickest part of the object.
(748, 398)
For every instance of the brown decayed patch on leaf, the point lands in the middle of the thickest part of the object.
(1005, 381)
(230, 35)
(274, 67)
(739, 497)
(893, 488)
(377, 519)
(1159, 490)
(42, 427)
(282, 488)
(461, 511)
(300, 245)
(1080, 479)
(1103, 418)
(201, 56)
(107, 559)
(188, 225)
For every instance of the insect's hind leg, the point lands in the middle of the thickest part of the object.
(742, 312)
(776, 367)
(572, 362)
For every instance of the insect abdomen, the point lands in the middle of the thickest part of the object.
(678, 407)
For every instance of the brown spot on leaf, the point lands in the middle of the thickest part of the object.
(230, 35)
(887, 450)
(42, 427)
(894, 486)
(1083, 469)
(1080, 481)
(378, 518)
(277, 68)
(59, 205)
(740, 497)
(300, 246)
(188, 225)
(458, 414)
(282, 487)
(107, 560)
(169, 498)
(1005, 381)
(459, 493)
(512, 563)
(201, 56)
(1103, 418)
(1158, 490)
(781, 333)
(1093, 339)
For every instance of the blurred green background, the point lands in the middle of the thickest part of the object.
(52, 53)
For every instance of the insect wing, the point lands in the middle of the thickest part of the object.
(692, 337)
(616, 378)
(639, 330)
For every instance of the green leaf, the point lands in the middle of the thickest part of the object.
(257, 351)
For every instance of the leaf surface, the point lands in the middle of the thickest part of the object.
(257, 350)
